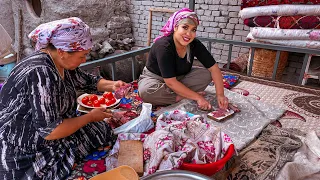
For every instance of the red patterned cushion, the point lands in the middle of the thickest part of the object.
(285, 22)
(299, 22)
(261, 21)
(254, 3)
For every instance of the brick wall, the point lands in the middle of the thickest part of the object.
(218, 19)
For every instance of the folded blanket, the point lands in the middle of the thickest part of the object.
(280, 10)
(284, 22)
(285, 34)
(293, 43)
(244, 126)
(254, 3)
(264, 158)
(306, 162)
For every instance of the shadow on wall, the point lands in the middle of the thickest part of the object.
(34, 7)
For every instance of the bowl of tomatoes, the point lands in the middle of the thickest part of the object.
(96, 101)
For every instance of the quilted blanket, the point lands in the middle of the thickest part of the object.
(280, 10)
(285, 34)
(294, 43)
(254, 3)
(284, 22)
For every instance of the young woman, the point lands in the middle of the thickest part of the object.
(40, 135)
(169, 76)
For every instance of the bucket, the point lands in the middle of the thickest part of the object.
(5, 70)
(210, 168)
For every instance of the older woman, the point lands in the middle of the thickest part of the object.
(169, 76)
(40, 135)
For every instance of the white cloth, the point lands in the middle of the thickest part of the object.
(286, 34)
(280, 10)
(306, 162)
(294, 43)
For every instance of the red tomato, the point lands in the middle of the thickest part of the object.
(102, 100)
(93, 97)
(85, 100)
(89, 103)
(96, 103)
(108, 102)
(108, 95)
(112, 100)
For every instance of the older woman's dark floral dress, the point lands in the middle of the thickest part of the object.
(33, 102)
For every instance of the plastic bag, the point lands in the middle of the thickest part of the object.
(140, 124)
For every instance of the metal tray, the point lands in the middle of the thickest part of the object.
(176, 175)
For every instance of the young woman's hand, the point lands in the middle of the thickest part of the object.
(204, 104)
(98, 114)
(222, 101)
(117, 85)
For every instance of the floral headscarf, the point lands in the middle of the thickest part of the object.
(184, 13)
(70, 34)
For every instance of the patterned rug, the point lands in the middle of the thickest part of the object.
(303, 108)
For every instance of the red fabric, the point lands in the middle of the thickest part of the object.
(285, 22)
(94, 165)
(254, 3)
(261, 21)
(299, 22)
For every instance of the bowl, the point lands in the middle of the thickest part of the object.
(210, 168)
(175, 175)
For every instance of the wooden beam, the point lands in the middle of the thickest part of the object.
(164, 10)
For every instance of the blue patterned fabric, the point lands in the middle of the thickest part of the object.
(34, 100)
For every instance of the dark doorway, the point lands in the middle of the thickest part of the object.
(35, 6)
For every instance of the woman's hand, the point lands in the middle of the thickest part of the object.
(203, 104)
(98, 114)
(117, 85)
(222, 101)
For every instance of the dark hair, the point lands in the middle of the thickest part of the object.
(51, 46)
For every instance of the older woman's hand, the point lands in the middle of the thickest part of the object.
(99, 114)
(222, 101)
(117, 85)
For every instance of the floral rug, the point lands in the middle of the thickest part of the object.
(303, 109)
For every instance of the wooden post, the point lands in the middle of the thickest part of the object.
(150, 20)
(20, 36)
(149, 27)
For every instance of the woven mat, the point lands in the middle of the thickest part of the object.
(306, 105)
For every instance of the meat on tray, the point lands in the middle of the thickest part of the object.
(122, 91)
(121, 117)
(219, 113)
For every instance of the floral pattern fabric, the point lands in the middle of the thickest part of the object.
(295, 43)
(254, 3)
(285, 34)
(284, 22)
(183, 137)
(280, 10)
(70, 34)
(179, 137)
